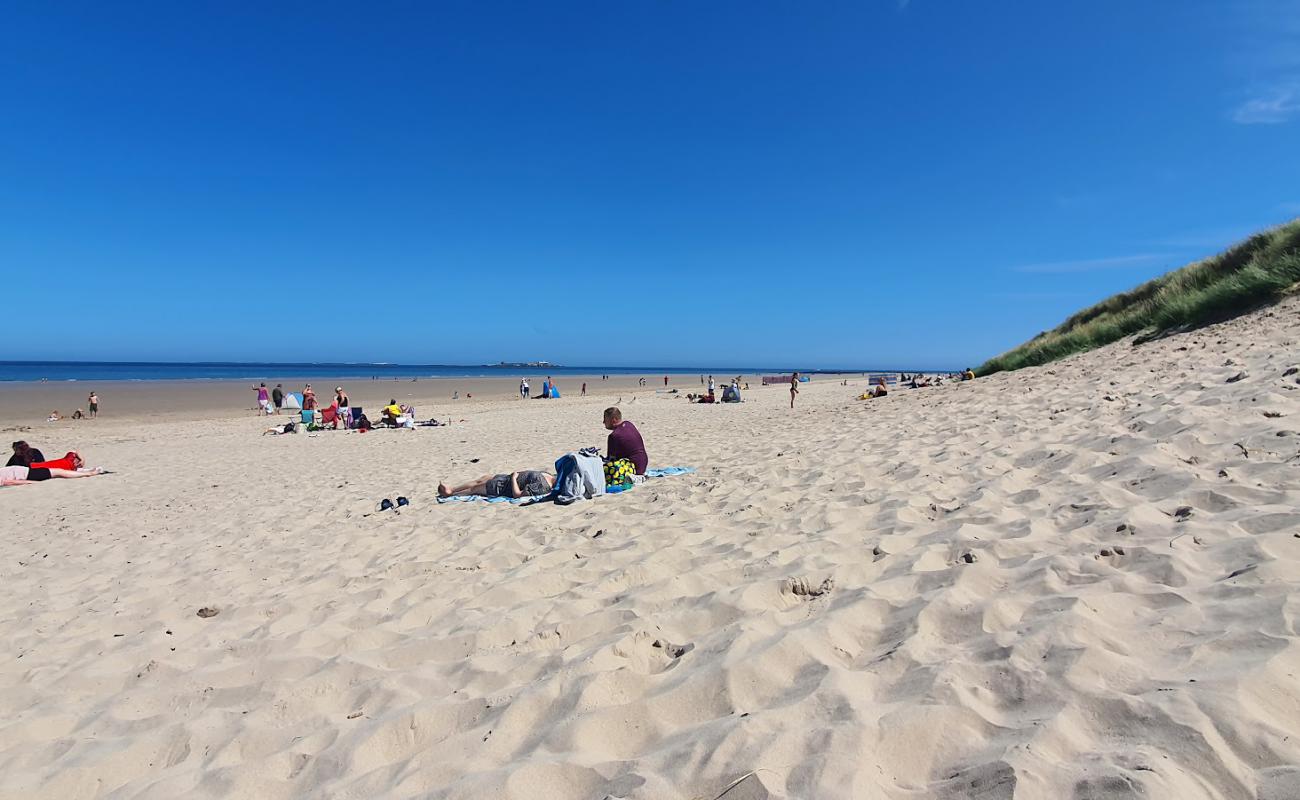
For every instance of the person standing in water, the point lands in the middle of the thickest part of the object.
(794, 388)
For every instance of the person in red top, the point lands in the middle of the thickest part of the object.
(71, 461)
(625, 440)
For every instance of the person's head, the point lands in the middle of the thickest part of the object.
(391, 402)
(21, 449)
(796, 374)
(881, 380)
(613, 418)
(262, 385)
(279, 386)
(338, 390)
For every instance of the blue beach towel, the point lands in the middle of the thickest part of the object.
(656, 472)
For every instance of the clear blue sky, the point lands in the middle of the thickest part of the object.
(865, 183)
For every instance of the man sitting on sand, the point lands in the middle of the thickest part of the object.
(624, 440)
(526, 483)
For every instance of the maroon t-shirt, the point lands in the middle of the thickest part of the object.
(625, 442)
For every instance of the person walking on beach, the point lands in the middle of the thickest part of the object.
(665, 380)
(263, 399)
(523, 389)
(794, 388)
(584, 388)
(277, 397)
(93, 401)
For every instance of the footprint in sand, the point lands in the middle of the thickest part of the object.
(802, 587)
(650, 654)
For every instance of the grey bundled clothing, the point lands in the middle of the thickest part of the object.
(578, 476)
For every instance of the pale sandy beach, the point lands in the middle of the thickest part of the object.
(29, 403)
(1072, 581)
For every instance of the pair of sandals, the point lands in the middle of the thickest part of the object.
(386, 504)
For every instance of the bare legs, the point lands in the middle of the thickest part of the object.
(478, 486)
(74, 473)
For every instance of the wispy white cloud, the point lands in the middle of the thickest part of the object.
(1034, 297)
(1091, 264)
(1207, 238)
(1266, 58)
(1275, 105)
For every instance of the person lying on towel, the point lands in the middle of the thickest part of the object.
(526, 483)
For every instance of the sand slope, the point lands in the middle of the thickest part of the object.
(1076, 581)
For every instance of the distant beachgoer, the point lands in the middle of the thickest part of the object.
(525, 483)
(701, 380)
(277, 397)
(263, 399)
(308, 398)
(624, 440)
(968, 375)
(70, 461)
(340, 397)
(665, 380)
(584, 388)
(710, 384)
(20, 476)
(794, 388)
(77, 414)
(54, 416)
(24, 455)
(881, 388)
(277, 430)
(391, 412)
(523, 388)
(93, 401)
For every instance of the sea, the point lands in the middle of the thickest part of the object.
(52, 371)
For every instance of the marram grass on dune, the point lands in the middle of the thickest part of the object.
(1257, 271)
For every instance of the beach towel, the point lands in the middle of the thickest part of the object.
(655, 472)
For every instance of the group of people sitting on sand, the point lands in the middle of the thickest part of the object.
(624, 443)
(730, 392)
(341, 413)
(28, 465)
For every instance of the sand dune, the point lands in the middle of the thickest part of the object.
(1073, 581)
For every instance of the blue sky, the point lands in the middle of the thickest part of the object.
(868, 183)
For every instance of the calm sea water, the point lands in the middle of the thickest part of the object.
(155, 371)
